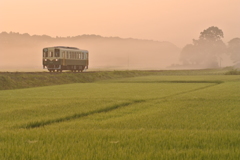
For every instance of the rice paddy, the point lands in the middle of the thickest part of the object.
(148, 117)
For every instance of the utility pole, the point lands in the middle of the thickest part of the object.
(220, 62)
(128, 61)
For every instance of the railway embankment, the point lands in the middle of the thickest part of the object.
(18, 80)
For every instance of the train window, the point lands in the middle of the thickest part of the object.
(57, 52)
(50, 54)
(45, 54)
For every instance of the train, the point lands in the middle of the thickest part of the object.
(59, 58)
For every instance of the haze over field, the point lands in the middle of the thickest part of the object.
(25, 51)
(159, 22)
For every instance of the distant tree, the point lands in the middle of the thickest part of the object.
(188, 55)
(26, 35)
(206, 50)
(211, 34)
(234, 50)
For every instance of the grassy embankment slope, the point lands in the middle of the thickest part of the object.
(17, 80)
(169, 115)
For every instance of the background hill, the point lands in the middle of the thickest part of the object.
(23, 51)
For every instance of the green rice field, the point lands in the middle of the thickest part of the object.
(153, 117)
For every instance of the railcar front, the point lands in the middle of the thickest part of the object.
(61, 58)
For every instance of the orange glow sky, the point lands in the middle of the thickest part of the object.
(176, 21)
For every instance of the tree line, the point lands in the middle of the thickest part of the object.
(209, 49)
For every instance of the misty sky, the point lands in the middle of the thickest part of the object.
(176, 21)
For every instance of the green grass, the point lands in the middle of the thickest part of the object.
(17, 80)
(233, 72)
(164, 116)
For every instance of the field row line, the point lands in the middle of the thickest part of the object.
(43, 123)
